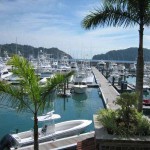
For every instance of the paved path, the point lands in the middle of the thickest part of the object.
(109, 93)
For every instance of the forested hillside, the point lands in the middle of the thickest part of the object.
(27, 50)
(129, 54)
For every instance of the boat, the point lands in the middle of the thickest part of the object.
(146, 96)
(4, 73)
(50, 131)
(74, 66)
(63, 65)
(101, 65)
(80, 83)
(79, 88)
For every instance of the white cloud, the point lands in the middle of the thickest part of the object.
(53, 23)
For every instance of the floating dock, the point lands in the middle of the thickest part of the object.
(129, 88)
(109, 93)
(61, 143)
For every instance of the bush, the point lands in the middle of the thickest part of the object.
(126, 120)
(107, 117)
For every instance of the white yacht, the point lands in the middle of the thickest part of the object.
(132, 67)
(74, 66)
(89, 75)
(101, 65)
(80, 83)
(4, 73)
(63, 65)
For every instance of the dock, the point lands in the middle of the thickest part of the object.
(109, 93)
(129, 88)
(61, 143)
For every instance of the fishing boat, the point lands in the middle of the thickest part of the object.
(50, 131)
(80, 83)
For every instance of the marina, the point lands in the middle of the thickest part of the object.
(70, 79)
(98, 93)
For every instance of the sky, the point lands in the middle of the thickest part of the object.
(57, 23)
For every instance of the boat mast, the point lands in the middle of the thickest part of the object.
(16, 45)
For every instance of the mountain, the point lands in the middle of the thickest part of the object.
(129, 54)
(27, 51)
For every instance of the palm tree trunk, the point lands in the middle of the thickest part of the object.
(36, 143)
(140, 69)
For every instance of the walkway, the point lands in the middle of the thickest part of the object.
(109, 93)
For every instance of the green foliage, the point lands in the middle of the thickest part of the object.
(126, 120)
(143, 126)
(127, 100)
(29, 95)
(107, 117)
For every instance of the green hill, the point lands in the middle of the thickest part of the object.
(129, 54)
(27, 50)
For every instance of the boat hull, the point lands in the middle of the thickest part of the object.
(57, 131)
(80, 88)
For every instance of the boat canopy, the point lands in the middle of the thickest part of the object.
(48, 117)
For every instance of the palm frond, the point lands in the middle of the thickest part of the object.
(109, 15)
(13, 97)
(25, 71)
(50, 87)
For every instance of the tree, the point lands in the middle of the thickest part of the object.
(124, 13)
(30, 95)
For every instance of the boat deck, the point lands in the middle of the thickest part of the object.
(61, 143)
(109, 93)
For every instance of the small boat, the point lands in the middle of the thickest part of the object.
(80, 88)
(50, 131)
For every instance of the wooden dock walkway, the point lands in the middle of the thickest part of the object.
(109, 93)
(61, 143)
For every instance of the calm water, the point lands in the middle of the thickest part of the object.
(78, 106)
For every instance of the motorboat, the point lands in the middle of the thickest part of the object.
(79, 88)
(56, 131)
(80, 83)
(50, 131)
(4, 73)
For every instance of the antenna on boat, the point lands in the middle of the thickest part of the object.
(16, 45)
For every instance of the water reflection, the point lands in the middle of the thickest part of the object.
(79, 97)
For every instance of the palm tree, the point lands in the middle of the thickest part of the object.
(124, 13)
(30, 95)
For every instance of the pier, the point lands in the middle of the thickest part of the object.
(61, 143)
(109, 93)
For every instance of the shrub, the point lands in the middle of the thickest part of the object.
(126, 120)
(107, 117)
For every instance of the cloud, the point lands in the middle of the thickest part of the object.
(57, 23)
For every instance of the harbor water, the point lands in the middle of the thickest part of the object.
(77, 106)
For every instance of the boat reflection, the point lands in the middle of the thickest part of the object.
(79, 97)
